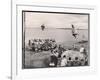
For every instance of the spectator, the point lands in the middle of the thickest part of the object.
(83, 50)
(63, 61)
(54, 61)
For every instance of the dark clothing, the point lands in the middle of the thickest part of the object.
(54, 60)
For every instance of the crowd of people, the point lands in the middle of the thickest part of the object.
(56, 58)
(37, 45)
(69, 58)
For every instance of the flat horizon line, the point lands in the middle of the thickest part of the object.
(54, 28)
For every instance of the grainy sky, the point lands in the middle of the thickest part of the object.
(53, 20)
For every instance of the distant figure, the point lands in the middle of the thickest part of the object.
(74, 31)
(83, 50)
(42, 27)
(29, 42)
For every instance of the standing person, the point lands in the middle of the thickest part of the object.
(54, 60)
(36, 46)
(60, 50)
(83, 50)
(29, 42)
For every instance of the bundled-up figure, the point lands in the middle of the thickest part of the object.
(54, 59)
(74, 58)
(63, 61)
(84, 52)
(60, 50)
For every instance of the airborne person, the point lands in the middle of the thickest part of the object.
(74, 33)
(42, 27)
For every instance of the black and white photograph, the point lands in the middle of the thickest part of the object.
(55, 39)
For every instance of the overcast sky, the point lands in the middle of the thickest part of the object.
(52, 20)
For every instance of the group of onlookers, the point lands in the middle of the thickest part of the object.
(69, 58)
(42, 44)
(56, 58)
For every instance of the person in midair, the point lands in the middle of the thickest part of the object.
(74, 31)
(42, 27)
